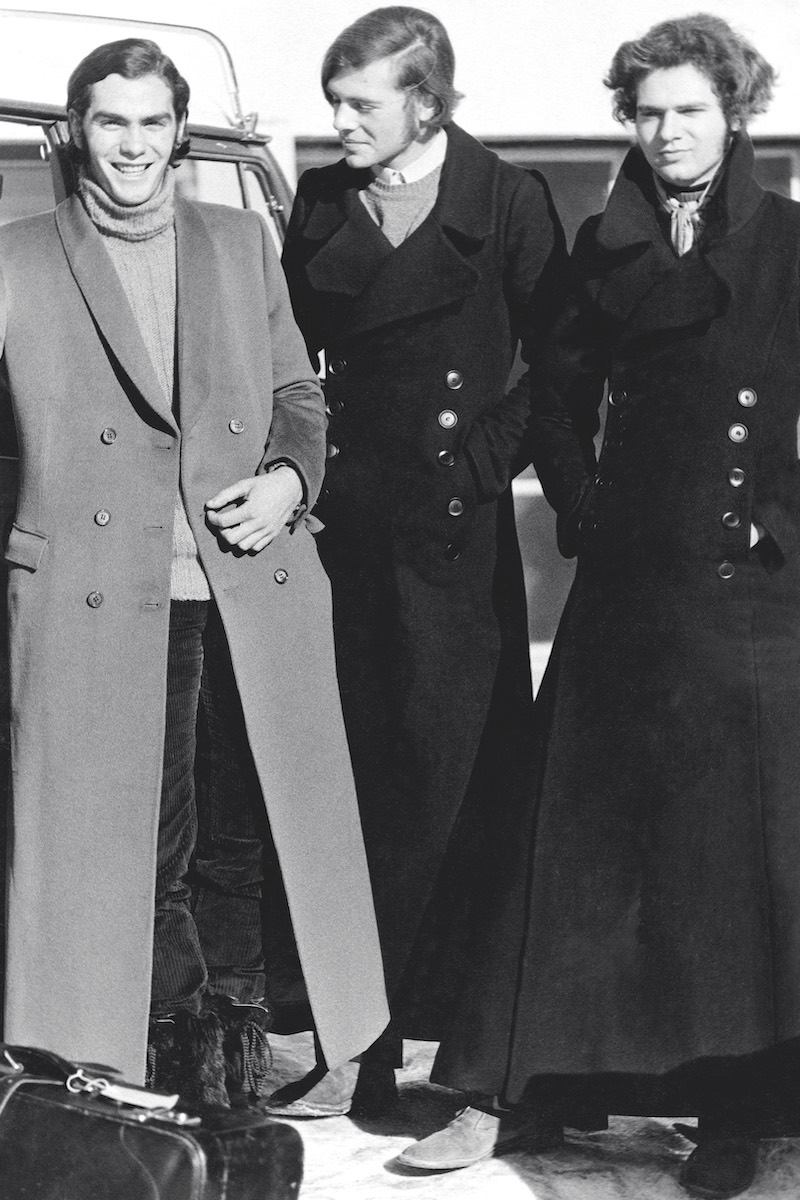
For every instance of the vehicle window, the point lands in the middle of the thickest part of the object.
(27, 186)
(234, 183)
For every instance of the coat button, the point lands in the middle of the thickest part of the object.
(738, 433)
(331, 450)
(455, 507)
(446, 458)
(102, 517)
(454, 380)
(337, 365)
(618, 396)
(452, 552)
(447, 418)
(736, 477)
(725, 570)
(748, 397)
(281, 575)
(334, 407)
(731, 520)
(108, 436)
(235, 425)
(94, 599)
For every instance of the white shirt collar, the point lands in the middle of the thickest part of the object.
(429, 160)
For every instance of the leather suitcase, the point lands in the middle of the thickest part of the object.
(73, 1132)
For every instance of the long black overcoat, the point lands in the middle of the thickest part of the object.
(420, 545)
(664, 904)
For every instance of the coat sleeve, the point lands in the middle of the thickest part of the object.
(573, 368)
(297, 432)
(534, 271)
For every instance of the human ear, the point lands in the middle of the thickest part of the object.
(75, 128)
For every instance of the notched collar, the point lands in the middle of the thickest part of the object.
(100, 285)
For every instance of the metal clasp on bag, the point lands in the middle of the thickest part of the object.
(12, 1062)
(120, 1093)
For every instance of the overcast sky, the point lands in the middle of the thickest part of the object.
(526, 66)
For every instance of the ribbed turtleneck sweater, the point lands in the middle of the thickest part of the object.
(140, 240)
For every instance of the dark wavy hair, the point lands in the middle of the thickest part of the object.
(741, 78)
(419, 43)
(132, 58)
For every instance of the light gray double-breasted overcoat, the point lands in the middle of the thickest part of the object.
(89, 606)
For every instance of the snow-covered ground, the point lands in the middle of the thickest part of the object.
(635, 1159)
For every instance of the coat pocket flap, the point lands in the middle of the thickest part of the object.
(25, 548)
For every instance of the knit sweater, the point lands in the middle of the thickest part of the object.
(140, 241)
(398, 209)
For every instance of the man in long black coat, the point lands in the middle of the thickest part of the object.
(418, 264)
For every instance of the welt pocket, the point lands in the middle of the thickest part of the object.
(25, 548)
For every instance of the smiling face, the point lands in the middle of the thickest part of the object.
(127, 135)
(680, 125)
(378, 123)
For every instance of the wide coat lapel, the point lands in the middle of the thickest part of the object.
(430, 270)
(198, 316)
(97, 279)
(640, 282)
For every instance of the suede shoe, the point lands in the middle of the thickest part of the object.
(320, 1093)
(474, 1135)
(721, 1167)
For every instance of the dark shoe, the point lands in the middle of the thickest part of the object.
(320, 1093)
(721, 1166)
(184, 1055)
(376, 1092)
(245, 1048)
(474, 1135)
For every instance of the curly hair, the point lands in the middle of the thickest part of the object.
(741, 78)
(416, 39)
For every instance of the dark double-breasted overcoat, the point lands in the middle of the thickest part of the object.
(663, 923)
(420, 544)
(101, 461)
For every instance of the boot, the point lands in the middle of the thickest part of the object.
(246, 1049)
(185, 1055)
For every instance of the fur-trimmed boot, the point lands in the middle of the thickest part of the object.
(185, 1055)
(246, 1049)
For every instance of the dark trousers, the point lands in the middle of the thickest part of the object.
(201, 943)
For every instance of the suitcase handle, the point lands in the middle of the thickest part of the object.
(33, 1060)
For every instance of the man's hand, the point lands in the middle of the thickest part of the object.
(250, 513)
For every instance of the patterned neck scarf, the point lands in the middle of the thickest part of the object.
(684, 208)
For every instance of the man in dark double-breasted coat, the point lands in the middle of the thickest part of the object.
(418, 264)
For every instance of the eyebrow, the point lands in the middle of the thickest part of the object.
(651, 109)
(101, 114)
